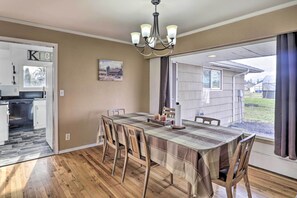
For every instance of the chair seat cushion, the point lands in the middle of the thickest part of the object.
(224, 172)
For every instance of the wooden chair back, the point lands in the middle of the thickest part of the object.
(208, 120)
(134, 135)
(240, 159)
(119, 111)
(110, 133)
(169, 112)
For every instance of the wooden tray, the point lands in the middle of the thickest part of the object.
(164, 123)
(178, 127)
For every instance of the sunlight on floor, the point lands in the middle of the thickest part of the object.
(10, 178)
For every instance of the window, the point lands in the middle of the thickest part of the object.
(212, 79)
(258, 104)
(34, 76)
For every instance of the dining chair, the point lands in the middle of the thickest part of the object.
(133, 150)
(208, 120)
(111, 139)
(169, 112)
(119, 111)
(238, 168)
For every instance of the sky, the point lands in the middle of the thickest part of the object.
(112, 64)
(267, 63)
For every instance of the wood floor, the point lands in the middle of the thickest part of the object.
(81, 174)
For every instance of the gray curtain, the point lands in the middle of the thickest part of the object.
(286, 96)
(164, 84)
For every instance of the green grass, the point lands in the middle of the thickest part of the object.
(258, 108)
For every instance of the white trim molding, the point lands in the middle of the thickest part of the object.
(80, 148)
(22, 22)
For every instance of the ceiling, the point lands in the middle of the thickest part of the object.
(243, 51)
(115, 19)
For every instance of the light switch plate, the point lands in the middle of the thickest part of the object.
(61, 92)
(67, 136)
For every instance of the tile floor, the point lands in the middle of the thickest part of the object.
(24, 144)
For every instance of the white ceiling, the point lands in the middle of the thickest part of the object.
(115, 19)
(243, 51)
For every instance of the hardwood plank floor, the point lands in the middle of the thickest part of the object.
(81, 174)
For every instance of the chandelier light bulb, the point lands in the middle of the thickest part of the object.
(135, 37)
(171, 31)
(145, 30)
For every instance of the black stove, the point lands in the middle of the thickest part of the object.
(21, 108)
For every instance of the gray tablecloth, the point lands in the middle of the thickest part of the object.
(195, 153)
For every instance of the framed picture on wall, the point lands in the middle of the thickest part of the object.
(110, 70)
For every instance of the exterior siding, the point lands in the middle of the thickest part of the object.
(192, 99)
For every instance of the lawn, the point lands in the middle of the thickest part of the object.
(258, 109)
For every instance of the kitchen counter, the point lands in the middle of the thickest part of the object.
(3, 103)
(38, 99)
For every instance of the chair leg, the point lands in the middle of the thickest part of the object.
(114, 161)
(247, 185)
(120, 154)
(104, 151)
(234, 191)
(171, 178)
(229, 191)
(189, 190)
(147, 174)
(125, 167)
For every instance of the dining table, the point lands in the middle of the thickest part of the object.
(195, 153)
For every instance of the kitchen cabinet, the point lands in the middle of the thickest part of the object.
(6, 74)
(39, 114)
(4, 123)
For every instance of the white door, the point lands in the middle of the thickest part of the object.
(4, 120)
(49, 105)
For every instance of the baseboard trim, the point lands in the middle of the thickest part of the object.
(79, 148)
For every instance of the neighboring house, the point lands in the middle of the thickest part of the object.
(268, 87)
(248, 85)
(208, 91)
(257, 88)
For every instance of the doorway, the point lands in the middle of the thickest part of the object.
(28, 105)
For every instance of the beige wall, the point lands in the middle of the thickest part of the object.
(255, 28)
(86, 97)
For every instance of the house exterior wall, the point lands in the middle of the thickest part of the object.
(194, 100)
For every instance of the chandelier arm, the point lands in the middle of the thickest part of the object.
(164, 44)
(147, 43)
(164, 48)
(142, 51)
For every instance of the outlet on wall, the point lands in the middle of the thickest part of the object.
(67, 136)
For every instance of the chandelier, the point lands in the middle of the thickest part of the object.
(152, 38)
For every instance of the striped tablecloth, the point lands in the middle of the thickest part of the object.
(195, 153)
